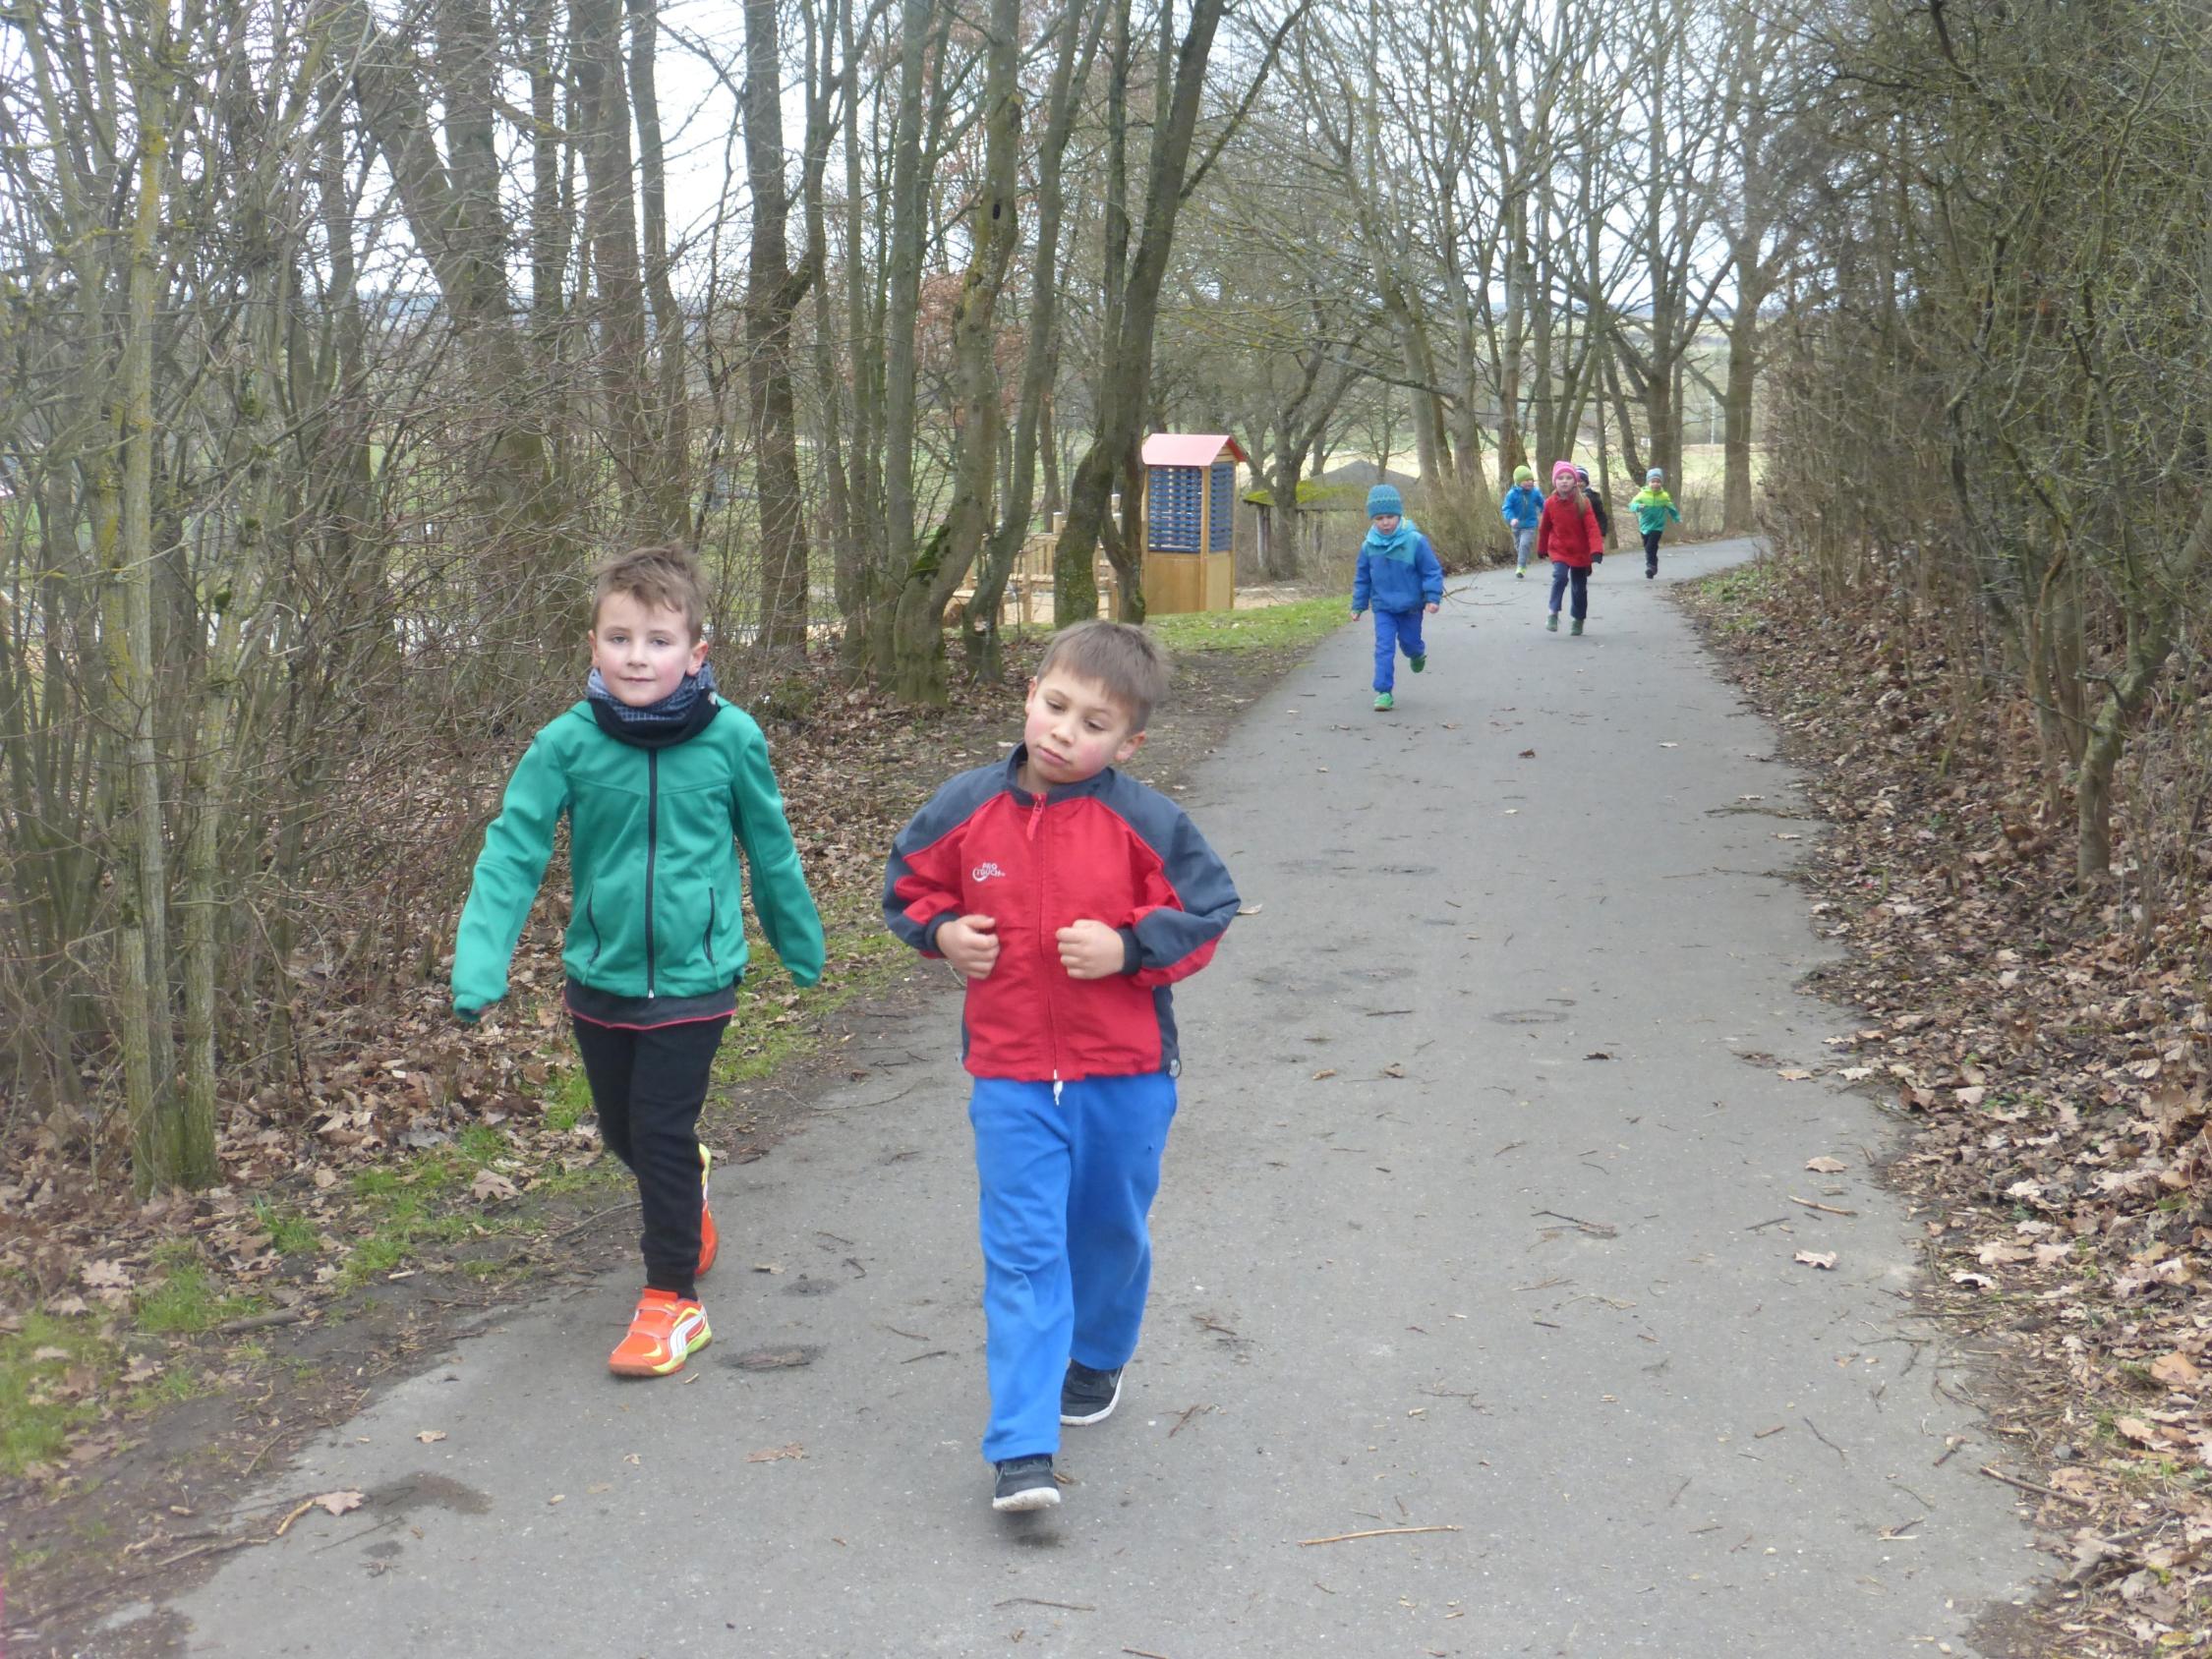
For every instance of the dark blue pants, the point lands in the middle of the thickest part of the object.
(1393, 630)
(1067, 1174)
(1562, 575)
(1650, 549)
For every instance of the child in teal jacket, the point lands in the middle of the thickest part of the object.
(1654, 509)
(661, 781)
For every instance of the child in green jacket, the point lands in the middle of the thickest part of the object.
(660, 781)
(1655, 508)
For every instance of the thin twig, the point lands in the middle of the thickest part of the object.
(1600, 1229)
(2039, 1491)
(1823, 1209)
(1035, 1601)
(1822, 1439)
(261, 1322)
(595, 1216)
(1183, 1423)
(1774, 1221)
(1372, 1532)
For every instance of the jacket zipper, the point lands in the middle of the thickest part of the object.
(709, 942)
(1046, 954)
(652, 846)
(598, 944)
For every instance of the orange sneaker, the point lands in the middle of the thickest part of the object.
(665, 1332)
(710, 1242)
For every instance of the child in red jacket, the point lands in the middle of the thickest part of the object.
(1568, 535)
(1069, 897)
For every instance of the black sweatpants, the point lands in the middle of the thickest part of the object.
(1650, 549)
(648, 1087)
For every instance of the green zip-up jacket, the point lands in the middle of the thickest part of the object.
(1654, 507)
(653, 837)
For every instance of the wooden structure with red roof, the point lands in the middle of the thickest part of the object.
(1190, 520)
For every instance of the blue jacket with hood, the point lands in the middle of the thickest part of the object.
(1397, 572)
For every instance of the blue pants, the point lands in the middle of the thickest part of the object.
(1394, 629)
(1561, 574)
(1067, 1182)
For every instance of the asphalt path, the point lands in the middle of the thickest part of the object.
(1478, 1234)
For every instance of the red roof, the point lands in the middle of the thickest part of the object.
(1189, 449)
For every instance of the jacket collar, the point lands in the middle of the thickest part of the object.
(1096, 785)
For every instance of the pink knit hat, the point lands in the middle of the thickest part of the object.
(1562, 469)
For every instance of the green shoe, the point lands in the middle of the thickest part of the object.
(1384, 701)
(1551, 622)
(1417, 664)
(1577, 628)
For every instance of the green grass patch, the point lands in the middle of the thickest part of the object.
(569, 1099)
(39, 1406)
(187, 1302)
(290, 1233)
(1274, 627)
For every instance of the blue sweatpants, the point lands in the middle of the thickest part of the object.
(1393, 629)
(1068, 1174)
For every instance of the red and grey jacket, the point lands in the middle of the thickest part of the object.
(1107, 849)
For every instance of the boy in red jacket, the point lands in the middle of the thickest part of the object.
(1069, 897)
(1568, 535)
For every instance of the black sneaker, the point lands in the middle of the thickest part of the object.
(1088, 1396)
(1025, 1483)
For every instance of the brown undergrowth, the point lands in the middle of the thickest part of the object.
(2048, 1046)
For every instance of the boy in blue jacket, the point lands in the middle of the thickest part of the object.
(1399, 574)
(1523, 510)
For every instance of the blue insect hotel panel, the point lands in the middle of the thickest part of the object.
(1221, 524)
(1174, 508)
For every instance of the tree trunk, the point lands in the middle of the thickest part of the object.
(670, 419)
(919, 672)
(160, 1151)
(772, 296)
(1736, 515)
(1128, 369)
(903, 304)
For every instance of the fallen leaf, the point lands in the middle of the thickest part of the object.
(1974, 1281)
(1823, 1259)
(106, 1275)
(338, 1503)
(1596, 1054)
(489, 1185)
(1792, 1074)
(429, 1437)
(1528, 754)
(1971, 1097)
(1857, 1073)
(776, 1454)
(1325, 1071)
(768, 1267)
(1250, 909)
(2135, 1429)
(1827, 1166)
(2176, 1370)
(1393, 1070)
(1670, 744)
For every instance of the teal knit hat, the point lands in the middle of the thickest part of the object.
(1383, 499)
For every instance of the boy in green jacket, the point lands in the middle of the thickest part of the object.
(1653, 508)
(659, 779)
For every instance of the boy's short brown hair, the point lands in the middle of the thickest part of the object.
(658, 578)
(1119, 655)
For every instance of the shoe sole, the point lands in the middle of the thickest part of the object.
(1021, 1503)
(1101, 1414)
